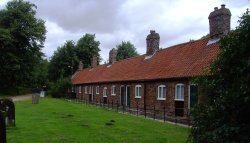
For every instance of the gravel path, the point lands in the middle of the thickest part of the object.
(22, 97)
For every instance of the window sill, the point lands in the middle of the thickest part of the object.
(137, 96)
(161, 98)
(113, 94)
(97, 93)
(105, 96)
(179, 99)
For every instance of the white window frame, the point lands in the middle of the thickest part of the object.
(182, 91)
(80, 89)
(97, 90)
(105, 92)
(161, 95)
(138, 86)
(90, 89)
(86, 90)
(113, 90)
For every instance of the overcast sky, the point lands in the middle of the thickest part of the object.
(114, 21)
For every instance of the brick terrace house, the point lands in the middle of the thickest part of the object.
(161, 77)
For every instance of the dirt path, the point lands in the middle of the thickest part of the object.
(21, 97)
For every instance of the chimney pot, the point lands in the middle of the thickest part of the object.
(94, 62)
(219, 22)
(80, 65)
(153, 41)
(152, 31)
(112, 56)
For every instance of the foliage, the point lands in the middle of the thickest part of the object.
(125, 50)
(22, 37)
(86, 48)
(64, 62)
(223, 116)
(40, 74)
(60, 87)
(66, 58)
(58, 121)
(205, 36)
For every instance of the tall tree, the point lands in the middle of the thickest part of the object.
(223, 116)
(64, 61)
(125, 50)
(66, 58)
(22, 37)
(86, 48)
(40, 74)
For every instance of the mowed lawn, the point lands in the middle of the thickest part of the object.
(58, 121)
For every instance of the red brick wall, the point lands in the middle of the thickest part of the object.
(149, 89)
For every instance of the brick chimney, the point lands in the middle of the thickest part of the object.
(153, 41)
(219, 22)
(112, 56)
(94, 62)
(80, 67)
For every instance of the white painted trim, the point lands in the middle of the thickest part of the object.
(114, 94)
(80, 89)
(161, 98)
(161, 86)
(98, 89)
(179, 84)
(138, 85)
(86, 89)
(105, 88)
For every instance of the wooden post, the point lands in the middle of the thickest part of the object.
(137, 108)
(164, 111)
(112, 103)
(154, 110)
(117, 105)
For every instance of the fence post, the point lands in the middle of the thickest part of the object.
(123, 108)
(175, 118)
(112, 103)
(188, 117)
(102, 102)
(137, 108)
(154, 111)
(117, 105)
(108, 103)
(164, 110)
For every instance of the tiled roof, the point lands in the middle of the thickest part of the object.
(183, 60)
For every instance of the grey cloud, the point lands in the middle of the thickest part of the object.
(76, 15)
(114, 21)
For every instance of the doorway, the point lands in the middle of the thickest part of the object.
(128, 95)
(122, 95)
(193, 97)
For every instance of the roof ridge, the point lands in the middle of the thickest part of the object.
(163, 49)
(186, 43)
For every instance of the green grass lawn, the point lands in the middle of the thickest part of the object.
(57, 121)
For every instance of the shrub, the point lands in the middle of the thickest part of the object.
(60, 88)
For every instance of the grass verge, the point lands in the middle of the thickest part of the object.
(57, 121)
